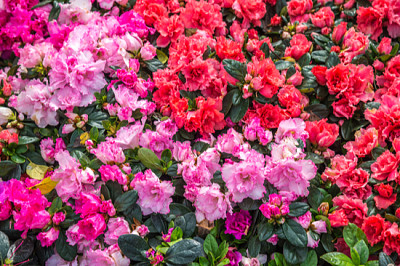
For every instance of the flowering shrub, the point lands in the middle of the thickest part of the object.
(219, 132)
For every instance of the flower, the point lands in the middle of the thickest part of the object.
(321, 133)
(385, 167)
(211, 204)
(369, 21)
(251, 12)
(116, 227)
(352, 209)
(154, 195)
(391, 238)
(48, 238)
(386, 196)
(366, 140)
(238, 223)
(299, 45)
(374, 227)
(292, 176)
(109, 151)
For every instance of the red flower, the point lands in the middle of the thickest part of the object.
(355, 209)
(323, 18)
(339, 31)
(369, 21)
(151, 10)
(228, 49)
(355, 185)
(386, 197)
(366, 140)
(322, 133)
(374, 227)
(320, 74)
(251, 11)
(392, 239)
(297, 10)
(338, 218)
(385, 167)
(170, 29)
(299, 45)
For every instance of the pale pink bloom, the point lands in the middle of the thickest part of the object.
(128, 137)
(116, 227)
(109, 151)
(294, 128)
(211, 204)
(227, 142)
(154, 194)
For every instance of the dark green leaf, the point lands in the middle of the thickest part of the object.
(298, 208)
(311, 260)
(184, 252)
(64, 249)
(126, 200)
(6, 167)
(320, 56)
(159, 223)
(46, 2)
(317, 159)
(385, 260)
(293, 254)
(4, 245)
(333, 60)
(327, 242)
(347, 129)
(315, 197)
(265, 231)
(304, 60)
(254, 246)
(372, 105)
(133, 246)
(320, 110)
(178, 209)
(201, 146)
(166, 155)
(265, 48)
(377, 151)
(295, 233)
(234, 68)
(227, 101)
(55, 11)
(188, 224)
(154, 64)
(27, 140)
(237, 112)
(282, 64)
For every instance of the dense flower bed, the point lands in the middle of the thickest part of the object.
(185, 132)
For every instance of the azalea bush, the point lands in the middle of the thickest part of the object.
(185, 132)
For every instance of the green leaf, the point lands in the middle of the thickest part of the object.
(4, 245)
(159, 223)
(333, 60)
(327, 242)
(97, 119)
(234, 68)
(337, 259)
(17, 158)
(55, 11)
(352, 234)
(295, 233)
(347, 129)
(149, 159)
(133, 246)
(126, 200)
(254, 246)
(372, 263)
(320, 56)
(27, 140)
(188, 224)
(94, 133)
(282, 64)
(223, 262)
(265, 231)
(298, 208)
(6, 167)
(321, 110)
(265, 48)
(355, 257)
(166, 155)
(176, 234)
(55, 205)
(201, 146)
(317, 159)
(65, 250)
(294, 255)
(362, 250)
(304, 60)
(210, 244)
(154, 64)
(315, 197)
(227, 101)
(162, 56)
(237, 112)
(311, 260)
(385, 260)
(377, 151)
(183, 252)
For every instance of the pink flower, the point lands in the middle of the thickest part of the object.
(385, 167)
(244, 180)
(109, 151)
(182, 151)
(143, 230)
(91, 227)
(113, 173)
(87, 204)
(322, 133)
(49, 237)
(275, 208)
(394, 18)
(58, 217)
(154, 195)
(354, 209)
(211, 204)
(250, 11)
(366, 140)
(385, 46)
(292, 128)
(299, 45)
(339, 31)
(148, 51)
(297, 10)
(369, 21)
(155, 142)
(128, 137)
(292, 176)
(304, 220)
(116, 227)
(229, 141)
(323, 17)
(354, 43)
